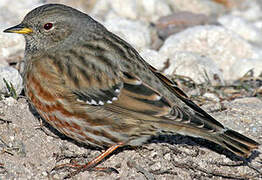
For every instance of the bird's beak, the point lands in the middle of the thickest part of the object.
(20, 29)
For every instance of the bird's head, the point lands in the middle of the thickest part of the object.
(52, 25)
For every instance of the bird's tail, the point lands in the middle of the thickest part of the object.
(227, 138)
(235, 142)
(200, 123)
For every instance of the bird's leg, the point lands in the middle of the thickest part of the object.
(91, 166)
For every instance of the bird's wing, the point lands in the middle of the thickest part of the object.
(137, 96)
(129, 95)
(126, 93)
(205, 117)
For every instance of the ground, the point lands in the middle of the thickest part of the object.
(31, 149)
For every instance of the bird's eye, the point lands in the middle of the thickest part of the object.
(48, 26)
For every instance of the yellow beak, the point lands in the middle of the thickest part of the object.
(20, 29)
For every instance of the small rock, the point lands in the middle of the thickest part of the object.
(127, 8)
(11, 47)
(154, 154)
(11, 75)
(154, 58)
(221, 45)
(3, 63)
(167, 157)
(211, 96)
(9, 102)
(148, 10)
(100, 9)
(134, 32)
(258, 24)
(248, 101)
(45, 173)
(242, 66)
(153, 9)
(200, 68)
(179, 21)
(196, 6)
(243, 28)
(250, 10)
(156, 166)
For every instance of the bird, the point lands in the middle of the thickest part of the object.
(94, 87)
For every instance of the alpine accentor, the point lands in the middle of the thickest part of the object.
(95, 88)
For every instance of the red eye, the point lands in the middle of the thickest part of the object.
(48, 26)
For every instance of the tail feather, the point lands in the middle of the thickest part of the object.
(236, 142)
(194, 121)
(227, 138)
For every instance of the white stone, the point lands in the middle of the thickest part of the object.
(257, 52)
(242, 66)
(11, 44)
(134, 32)
(3, 63)
(154, 58)
(167, 157)
(258, 24)
(20, 8)
(197, 6)
(211, 96)
(10, 102)
(126, 8)
(252, 11)
(149, 10)
(11, 13)
(100, 8)
(240, 26)
(201, 69)
(44, 173)
(11, 75)
(152, 10)
(156, 166)
(218, 43)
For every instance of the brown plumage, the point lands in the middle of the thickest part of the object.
(94, 87)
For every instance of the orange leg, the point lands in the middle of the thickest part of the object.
(92, 164)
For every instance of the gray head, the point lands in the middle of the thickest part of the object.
(53, 25)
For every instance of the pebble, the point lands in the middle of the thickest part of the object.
(11, 47)
(154, 58)
(211, 96)
(134, 32)
(9, 101)
(242, 66)
(196, 6)
(11, 75)
(242, 27)
(196, 66)
(215, 42)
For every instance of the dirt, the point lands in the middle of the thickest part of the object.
(30, 149)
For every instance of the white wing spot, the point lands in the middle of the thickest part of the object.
(101, 103)
(117, 91)
(79, 100)
(114, 99)
(92, 102)
(137, 82)
(158, 97)
(109, 102)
